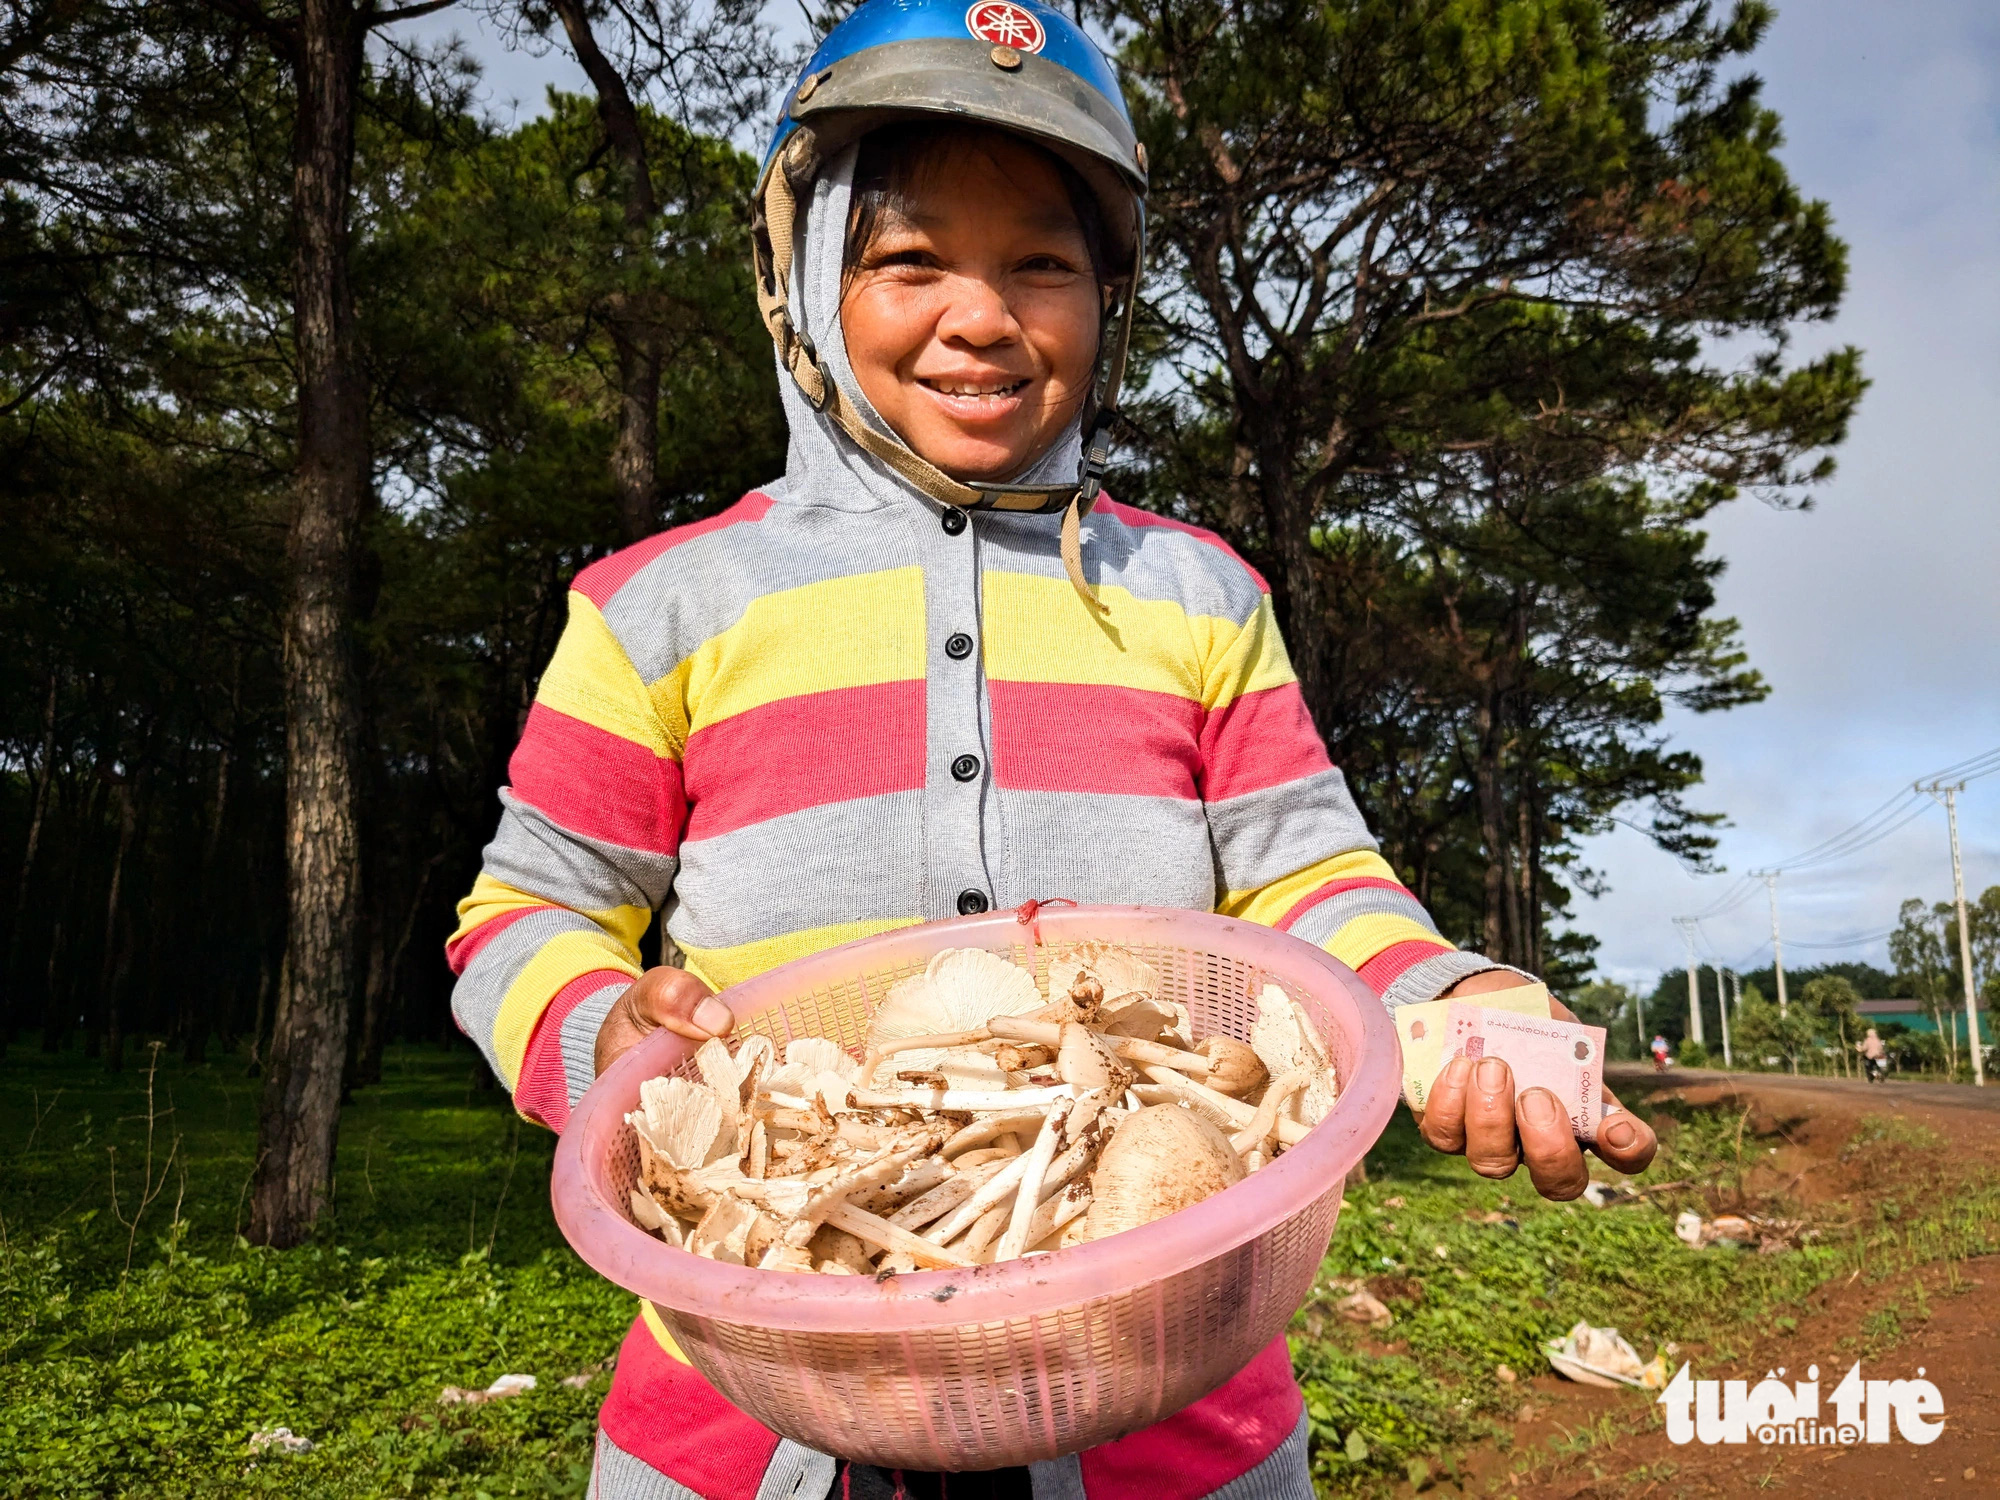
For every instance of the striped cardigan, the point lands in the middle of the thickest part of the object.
(799, 723)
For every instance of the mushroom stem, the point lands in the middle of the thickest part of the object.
(886, 1236)
(1055, 1213)
(1028, 1196)
(938, 1040)
(1255, 1135)
(982, 1132)
(979, 1238)
(1219, 1106)
(994, 1190)
(1128, 1048)
(962, 1101)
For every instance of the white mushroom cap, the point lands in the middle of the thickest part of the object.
(686, 1122)
(960, 990)
(1284, 1040)
(1114, 967)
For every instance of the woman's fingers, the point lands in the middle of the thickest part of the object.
(1549, 1145)
(1443, 1124)
(1491, 1148)
(1624, 1141)
(662, 997)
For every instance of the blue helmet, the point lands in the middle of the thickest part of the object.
(1014, 64)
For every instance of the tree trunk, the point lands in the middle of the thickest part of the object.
(44, 772)
(1297, 584)
(1502, 914)
(635, 454)
(300, 1114)
(111, 972)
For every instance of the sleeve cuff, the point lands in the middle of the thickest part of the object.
(1429, 978)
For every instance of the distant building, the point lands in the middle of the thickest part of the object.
(1914, 1014)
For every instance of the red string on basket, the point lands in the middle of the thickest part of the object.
(1027, 912)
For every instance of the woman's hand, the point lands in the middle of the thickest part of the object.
(672, 998)
(1473, 1112)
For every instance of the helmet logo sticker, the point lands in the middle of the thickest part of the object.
(1005, 24)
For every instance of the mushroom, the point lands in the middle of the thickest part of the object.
(1114, 968)
(833, 1248)
(1234, 1067)
(1255, 1138)
(1143, 1020)
(1086, 1063)
(961, 989)
(1028, 1196)
(1161, 1160)
(1285, 1039)
(684, 1121)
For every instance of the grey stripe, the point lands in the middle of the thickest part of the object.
(578, 1037)
(1321, 921)
(694, 592)
(1266, 835)
(617, 1475)
(1283, 1475)
(1151, 851)
(533, 852)
(475, 999)
(1149, 562)
(1057, 1478)
(844, 862)
(1431, 977)
(797, 1472)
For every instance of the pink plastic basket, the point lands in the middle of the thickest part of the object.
(1024, 1360)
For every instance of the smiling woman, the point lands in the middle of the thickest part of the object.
(973, 294)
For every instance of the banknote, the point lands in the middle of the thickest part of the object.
(1421, 1029)
(1564, 1057)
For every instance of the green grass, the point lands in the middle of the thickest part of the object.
(441, 1265)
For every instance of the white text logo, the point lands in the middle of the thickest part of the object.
(1772, 1412)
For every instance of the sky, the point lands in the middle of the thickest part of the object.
(1875, 616)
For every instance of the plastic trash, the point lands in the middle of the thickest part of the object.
(279, 1440)
(1597, 1356)
(1364, 1307)
(506, 1385)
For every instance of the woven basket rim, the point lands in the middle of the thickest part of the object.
(597, 1227)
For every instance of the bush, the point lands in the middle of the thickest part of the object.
(1691, 1054)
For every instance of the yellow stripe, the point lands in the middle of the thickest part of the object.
(1033, 634)
(719, 968)
(657, 1326)
(1238, 661)
(567, 956)
(492, 898)
(1361, 939)
(1269, 903)
(590, 678)
(843, 633)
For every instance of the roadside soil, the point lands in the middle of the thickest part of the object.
(1596, 1445)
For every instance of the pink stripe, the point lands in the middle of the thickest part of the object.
(1260, 740)
(665, 1415)
(542, 1091)
(598, 784)
(1335, 888)
(461, 953)
(1202, 1447)
(805, 752)
(1073, 737)
(1131, 516)
(1386, 967)
(603, 578)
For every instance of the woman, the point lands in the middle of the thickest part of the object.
(931, 671)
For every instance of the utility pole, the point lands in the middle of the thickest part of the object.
(1777, 944)
(1722, 1007)
(1948, 795)
(1687, 926)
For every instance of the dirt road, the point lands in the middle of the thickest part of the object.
(1953, 1334)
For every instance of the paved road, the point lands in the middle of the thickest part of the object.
(1639, 1078)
